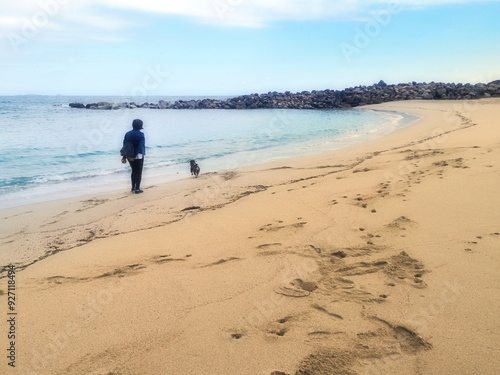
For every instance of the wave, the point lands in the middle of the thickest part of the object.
(16, 181)
(27, 181)
(87, 154)
(20, 182)
(190, 143)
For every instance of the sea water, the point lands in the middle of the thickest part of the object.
(49, 150)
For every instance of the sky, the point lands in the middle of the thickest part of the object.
(235, 47)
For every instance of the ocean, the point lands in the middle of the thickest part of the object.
(50, 151)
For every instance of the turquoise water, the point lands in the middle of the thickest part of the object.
(49, 150)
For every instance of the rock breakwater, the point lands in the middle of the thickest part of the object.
(324, 99)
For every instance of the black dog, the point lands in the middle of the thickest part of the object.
(195, 169)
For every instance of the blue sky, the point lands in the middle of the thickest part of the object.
(232, 47)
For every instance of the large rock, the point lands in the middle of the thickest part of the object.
(327, 99)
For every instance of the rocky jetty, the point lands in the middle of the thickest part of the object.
(325, 99)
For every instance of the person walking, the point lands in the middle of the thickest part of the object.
(134, 150)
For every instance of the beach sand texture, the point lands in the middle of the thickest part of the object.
(378, 259)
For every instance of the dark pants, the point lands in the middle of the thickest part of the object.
(136, 175)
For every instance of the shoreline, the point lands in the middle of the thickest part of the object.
(81, 187)
(378, 258)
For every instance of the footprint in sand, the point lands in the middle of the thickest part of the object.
(278, 332)
(401, 223)
(279, 327)
(400, 267)
(344, 252)
(91, 203)
(159, 259)
(296, 288)
(342, 283)
(325, 311)
(284, 320)
(267, 245)
(272, 227)
(136, 266)
(222, 261)
(410, 342)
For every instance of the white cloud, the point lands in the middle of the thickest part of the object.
(92, 20)
(78, 15)
(256, 13)
(248, 13)
(9, 23)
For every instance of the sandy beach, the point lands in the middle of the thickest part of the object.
(381, 258)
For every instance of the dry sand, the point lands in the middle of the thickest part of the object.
(378, 259)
